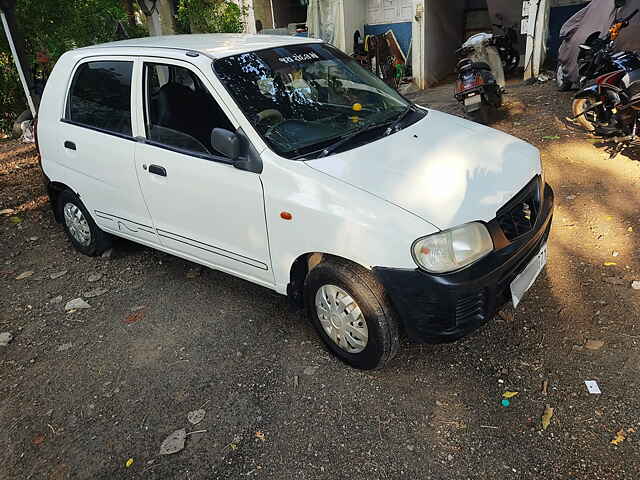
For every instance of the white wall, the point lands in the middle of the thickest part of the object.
(389, 11)
(355, 12)
(418, 64)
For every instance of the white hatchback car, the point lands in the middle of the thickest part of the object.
(281, 161)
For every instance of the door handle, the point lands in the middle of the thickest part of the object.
(69, 145)
(158, 170)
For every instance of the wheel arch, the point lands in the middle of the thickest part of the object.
(54, 189)
(301, 266)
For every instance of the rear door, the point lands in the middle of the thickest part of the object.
(202, 206)
(97, 146)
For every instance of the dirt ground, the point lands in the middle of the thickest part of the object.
(83, 392)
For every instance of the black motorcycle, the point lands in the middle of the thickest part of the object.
(476, 87)
(595, 57)
(611, 107)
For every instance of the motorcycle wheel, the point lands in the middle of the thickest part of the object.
(561, 79)
(479, 116)
(586, 121)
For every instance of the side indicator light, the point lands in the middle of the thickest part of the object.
(286, 215)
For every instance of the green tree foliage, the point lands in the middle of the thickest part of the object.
(12, 100)
(53, 27)
(210, 16)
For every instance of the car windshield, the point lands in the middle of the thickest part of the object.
(302, 98)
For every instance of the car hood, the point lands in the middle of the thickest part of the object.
(444, 169)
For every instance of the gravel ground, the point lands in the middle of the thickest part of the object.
(83, 392)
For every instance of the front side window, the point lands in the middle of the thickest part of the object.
(179, 110)
(301, 98)
(100, 96)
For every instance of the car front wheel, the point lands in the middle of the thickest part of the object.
(351, 313)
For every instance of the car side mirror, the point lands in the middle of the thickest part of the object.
(237, 148)
(226, 142)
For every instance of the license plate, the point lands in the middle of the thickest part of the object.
(472, 100)
(523, 282)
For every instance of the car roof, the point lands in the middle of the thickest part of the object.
(215, 45)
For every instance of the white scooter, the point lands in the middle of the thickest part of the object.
(480, 82)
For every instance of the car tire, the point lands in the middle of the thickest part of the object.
(82, 231)
(349, 296)
(577, 107)
(561, 79)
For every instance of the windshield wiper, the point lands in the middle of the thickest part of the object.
(334, 146)
(396, 123)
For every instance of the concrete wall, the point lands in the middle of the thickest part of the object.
(444, 24)
(355, 13)
(262, 12)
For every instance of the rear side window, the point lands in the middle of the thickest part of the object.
(100, 96)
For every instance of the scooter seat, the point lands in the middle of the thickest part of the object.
(466, 64)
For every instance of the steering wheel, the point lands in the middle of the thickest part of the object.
(270, 114)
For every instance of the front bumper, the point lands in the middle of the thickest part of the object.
(444, 307)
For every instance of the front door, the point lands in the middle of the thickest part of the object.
(202, 206)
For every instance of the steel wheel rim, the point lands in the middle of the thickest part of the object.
(77, 224)
(341, 319)
(591, 116)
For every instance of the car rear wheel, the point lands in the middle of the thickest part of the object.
(82, 231)
(351, 313)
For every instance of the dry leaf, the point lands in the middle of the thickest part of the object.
(196, 416)
(546, 417)
(593, 344)
(129, 463)
(134, 317)
(509, 394)
(24, 275)
(38, 439)
(174, 442)
(620, 437)
(260, 436)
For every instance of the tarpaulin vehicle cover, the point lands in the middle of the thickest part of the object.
(597, 16)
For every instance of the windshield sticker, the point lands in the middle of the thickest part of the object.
(299, 57)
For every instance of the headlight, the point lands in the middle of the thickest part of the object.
(452, 249)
